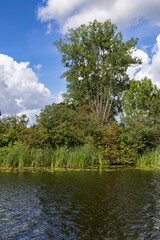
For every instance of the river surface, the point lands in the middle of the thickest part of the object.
(119, 204)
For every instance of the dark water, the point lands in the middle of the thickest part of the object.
(80, 205)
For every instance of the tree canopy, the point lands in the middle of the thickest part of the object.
(141, 102)
(97, 59)
(141, 114)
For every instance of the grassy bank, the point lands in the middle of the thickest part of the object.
(21, 156)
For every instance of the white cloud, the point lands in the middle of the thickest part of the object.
(59, 97)
(145, 61)
(72, 13)
(38, 66)
(150, 67)
(49, 28)
(31, 114)
(20, 90)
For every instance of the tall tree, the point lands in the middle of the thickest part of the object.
(96, 59)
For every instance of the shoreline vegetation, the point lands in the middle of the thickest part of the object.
(86, 157)
(83, 130)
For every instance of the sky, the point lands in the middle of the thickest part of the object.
(30, 66)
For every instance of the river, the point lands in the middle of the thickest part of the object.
(117, 204)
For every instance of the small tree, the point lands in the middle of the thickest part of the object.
(52, 115)
(96, 59)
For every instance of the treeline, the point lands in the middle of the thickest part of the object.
(105, 117)
(61, 129)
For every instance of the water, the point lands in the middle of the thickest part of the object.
(121, 204)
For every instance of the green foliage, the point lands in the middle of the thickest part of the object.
(36, 137)
(141, 102)
(66, 135)
(143, 136)
(75, 157)
(81, 130)
(52, 115)
(114, 146)
(12, 120)
(55, 119)
(12, 135)
(41, 157)
(15, 156)
(87, 124)
(83, 156)
(12, 128)
(22, 156)
(96, 59)
(151, 158)
(141, 114)
(68, 127)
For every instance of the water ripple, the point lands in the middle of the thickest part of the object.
(80, 205)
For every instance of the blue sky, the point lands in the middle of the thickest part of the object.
(30, 66)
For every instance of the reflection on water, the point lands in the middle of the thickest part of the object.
(80, 205)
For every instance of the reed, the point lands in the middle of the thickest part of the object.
(75, 157)
(151, 158)
(20, 156)
(82, 157)
(15, 156)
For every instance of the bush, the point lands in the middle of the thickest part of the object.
(114, 146)
(36, 137)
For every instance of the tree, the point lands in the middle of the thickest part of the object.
(141, 114)
(36, 137)
(11, 128)
(141, 102)
(82, 129)
(12, 135)
(12, 120)
(68, 126)
(96, 59)
(52, 115)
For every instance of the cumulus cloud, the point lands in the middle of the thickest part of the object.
(150, 67)
(72, 13)
(145, 62)
(20, 91)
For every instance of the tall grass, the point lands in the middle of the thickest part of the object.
(22, 156)
(150, 157)
(17, 156)
(82, 157)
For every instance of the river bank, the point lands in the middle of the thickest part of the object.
(84, 157)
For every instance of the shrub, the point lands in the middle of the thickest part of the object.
(114, 146)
